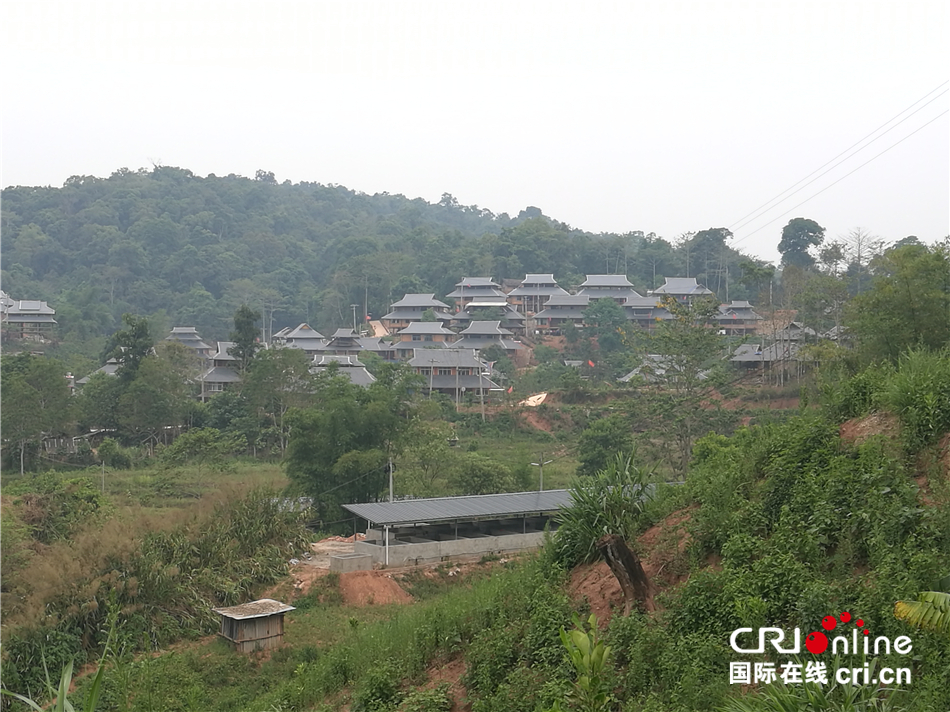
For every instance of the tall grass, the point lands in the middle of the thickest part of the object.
(164, 582)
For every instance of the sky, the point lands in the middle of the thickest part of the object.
(665, 117)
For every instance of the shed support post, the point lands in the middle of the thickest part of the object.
(386, 534)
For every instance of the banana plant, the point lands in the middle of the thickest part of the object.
(930, 611)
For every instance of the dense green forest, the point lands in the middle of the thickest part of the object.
(168, 242)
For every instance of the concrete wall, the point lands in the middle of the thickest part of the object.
(351, 562)
(408, 551)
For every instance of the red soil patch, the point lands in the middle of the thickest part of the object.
(596, 584)
(371, 588)
(661, 545)
(532, 418)
(857, 430)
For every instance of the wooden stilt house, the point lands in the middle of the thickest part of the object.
(257, 625)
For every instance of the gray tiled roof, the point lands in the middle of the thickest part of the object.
(539, 290)
(303, 331)
(424, 301)
(344, 361)
(440, 509)
(479, 328)
(477, 282)
(568, 300)
(424, 358)
(220, 374)
(607, 280)
(561, 313)
(682, 286)
(478, 341)
(426, 327)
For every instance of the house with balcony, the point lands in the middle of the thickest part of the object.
(612, 286)
(482, 334)
(530, 296)
(303, 337)
(738, 318)
(410, 309)
(560, 310)
(347, 366)
(422, 335)
(29, 319)
(476, 289)
(454, 372)
(223, 374)
(683, 289)
(489, 309)
(188, 336)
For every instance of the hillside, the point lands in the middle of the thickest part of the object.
(189, 250)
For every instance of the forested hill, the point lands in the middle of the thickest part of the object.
(189, 250)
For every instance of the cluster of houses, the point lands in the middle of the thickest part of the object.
(444, 343)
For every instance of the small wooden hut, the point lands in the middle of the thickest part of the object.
(254, 626)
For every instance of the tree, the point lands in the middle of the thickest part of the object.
(608, 321)
(36, 400)
(245, 336)
(603, 440)
(347, 419)
(683, 349)
(278, 380)
(797, 237)
(130, 346)
(907, 305)
(478, 474)
(203, 447)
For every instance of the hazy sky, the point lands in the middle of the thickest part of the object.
(656, 116)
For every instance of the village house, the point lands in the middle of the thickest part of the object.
(482, 334)
(410, 309)
(453, 372)
(346, 342)
(303, 337)
(683, 289)
(738, 318)
(188, 336)
(475, 289)
(560, 310)
(512, 319)
(612, 286)
(29, 319)
(530, 296)
(422, 335)
(348, 366)
(223, 372)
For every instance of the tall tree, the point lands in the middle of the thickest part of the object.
(686, 346)
(245, 336)
(130, 346)
(797, 237)
(907, 305)
(36, 400)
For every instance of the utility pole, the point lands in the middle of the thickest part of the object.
(390, 478)
(353, 307)
(481, 385)
(540, 465)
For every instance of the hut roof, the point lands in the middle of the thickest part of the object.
(254, 609)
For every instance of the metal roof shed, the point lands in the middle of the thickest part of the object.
(257, 625)
(447, 509)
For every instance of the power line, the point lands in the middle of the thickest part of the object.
(943, 113)
(768, 205)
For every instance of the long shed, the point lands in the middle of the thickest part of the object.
(257, 625)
